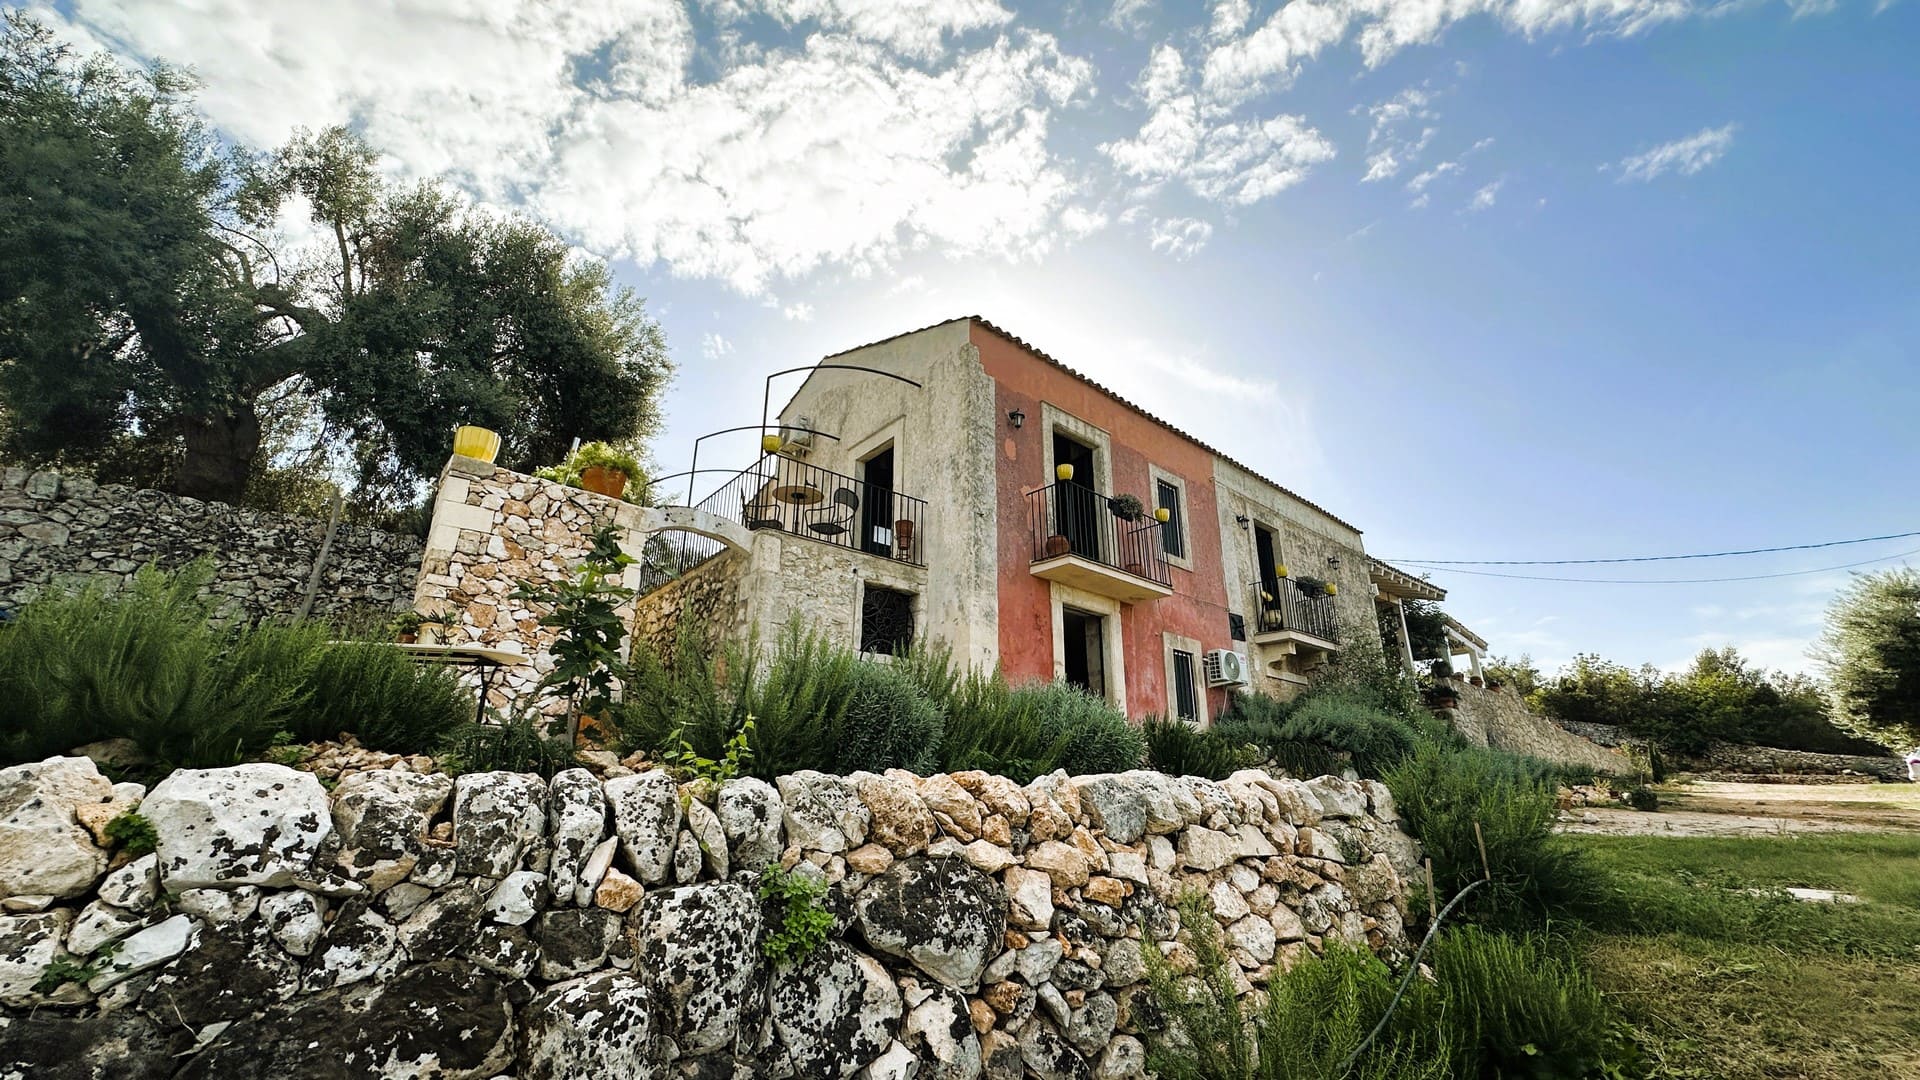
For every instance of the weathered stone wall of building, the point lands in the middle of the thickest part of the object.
(67, 531)
(709, 594)
(494, 529)
(1500, 719)
(409, 925)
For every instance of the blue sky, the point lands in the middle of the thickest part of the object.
(1492, 280)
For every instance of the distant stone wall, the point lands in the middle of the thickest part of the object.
(709, 594)
(410, 925)
(67, 531)
(1729, 757)
(1500, 719)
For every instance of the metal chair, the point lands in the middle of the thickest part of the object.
(845, 505)
(763, 516)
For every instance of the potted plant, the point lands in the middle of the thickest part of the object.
(1310, 586)
(1058, 544)
(476, 442)
(596, 467)
(1127, 507)
(405, 626)
(903, 537)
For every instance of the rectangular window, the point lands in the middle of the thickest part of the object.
(886, 621)
(1173, 537)
(1186, 694)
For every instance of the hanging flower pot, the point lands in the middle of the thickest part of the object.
(1126, 507)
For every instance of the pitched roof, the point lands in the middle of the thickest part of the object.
(1417, 587)
(1017, 340)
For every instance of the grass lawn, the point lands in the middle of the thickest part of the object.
(1720, 984)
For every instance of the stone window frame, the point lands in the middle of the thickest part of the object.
(885, 577)
(1157, 476)
(1055, 420)
(1113, 652)
(1169, 643)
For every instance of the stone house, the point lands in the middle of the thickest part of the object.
(955, 483)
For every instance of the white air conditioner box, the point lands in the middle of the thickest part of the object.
(797, 441)
(1227, 668)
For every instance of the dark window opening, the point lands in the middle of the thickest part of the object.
(1082, 634)
(876, 512)
(1186, 692)
(1172, 540)
(1237, 626)
(1076, 504)
(1265, 551)
(886, 621)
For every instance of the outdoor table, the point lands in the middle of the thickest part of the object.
(482, 660)
(798, 496)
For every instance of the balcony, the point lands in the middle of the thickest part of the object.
(1286, 615)
(826, 507)
(1078, 541)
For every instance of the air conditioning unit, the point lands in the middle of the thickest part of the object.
(797, 441)
(1226, 667)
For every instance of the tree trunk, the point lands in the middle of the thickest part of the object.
(219, 458)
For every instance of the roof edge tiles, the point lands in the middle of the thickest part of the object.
(1036, 351)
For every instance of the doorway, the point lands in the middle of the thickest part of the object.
(1267, 552)
(1083, 635)
(1076, 504)
(876, 507)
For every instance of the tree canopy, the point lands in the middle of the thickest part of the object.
(151, 298)
(1871, 656)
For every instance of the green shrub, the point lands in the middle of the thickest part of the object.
(134, 833)
(1519, 1010)
(803, 923)
(519, 744)
(1178, 748)
(144, 663)
(1351, 721)
(888, 723)
(1443, 792)
(387, 699)
(1641, 797)
(1316, 1016)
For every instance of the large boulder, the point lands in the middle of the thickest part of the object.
(646, 814)
(752, 815)
(1115, 805)
(940, 913)
(823, 813)
(833, 1012)
(700, 950)
(122, 1044)
(579, 821)
(228, 973)
(381, 817)
(939, 1033)
(28, 943)
(499, 822)
(901, 821)
(256, 824)
(599, 1026)
(44, 850)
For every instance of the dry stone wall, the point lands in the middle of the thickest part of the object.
(1501, 720)
(498, 925)
(64, 530)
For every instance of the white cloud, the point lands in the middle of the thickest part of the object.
(913, 27)
(1420, 181)
(1130, 16)
(713, 346)
(1684, 156)
(801, 312)
(1483, 199)
(1234, 162)
(1181, 238)
(769, 165)
(1389, 147)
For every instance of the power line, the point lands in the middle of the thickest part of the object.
(1656, 581)
(1648, 558)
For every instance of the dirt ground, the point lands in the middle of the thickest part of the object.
(1722, 808)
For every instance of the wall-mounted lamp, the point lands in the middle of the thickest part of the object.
(1333, 562)
(1241, 519)
(1016, 418)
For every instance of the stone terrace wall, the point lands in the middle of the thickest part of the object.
(1500, 719)
(408, 925)
(65, 531)
(494, 528)
(1762, 760)
(709, 594)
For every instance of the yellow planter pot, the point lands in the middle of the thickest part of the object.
(1064, 472)
(476, 442)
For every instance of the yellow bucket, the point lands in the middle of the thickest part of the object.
(476, 442)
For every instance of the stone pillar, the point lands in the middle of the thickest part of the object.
(1473, 658)
(1406, 639)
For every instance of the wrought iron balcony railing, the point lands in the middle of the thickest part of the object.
(1072, 519)
(804, 500)
(1283, 605)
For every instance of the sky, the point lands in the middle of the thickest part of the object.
(1491, 279)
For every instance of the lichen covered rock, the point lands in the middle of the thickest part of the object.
(940, 913)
